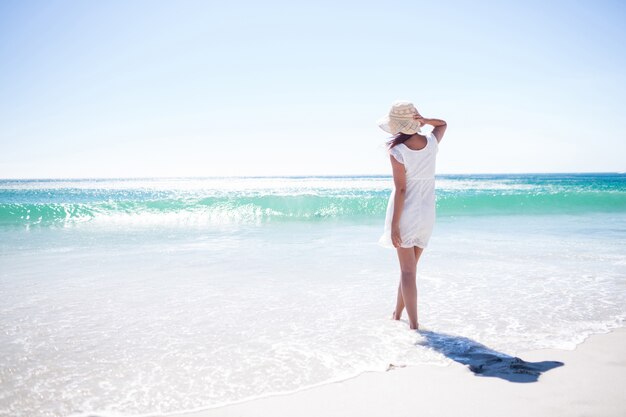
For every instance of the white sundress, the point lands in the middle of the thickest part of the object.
(418, 214)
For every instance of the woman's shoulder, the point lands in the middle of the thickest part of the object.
(397, 152)
(434, 140)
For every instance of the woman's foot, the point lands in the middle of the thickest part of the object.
(395, 316)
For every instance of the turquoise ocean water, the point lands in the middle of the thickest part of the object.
(154, 296)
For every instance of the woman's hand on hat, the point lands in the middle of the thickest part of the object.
(419, 118)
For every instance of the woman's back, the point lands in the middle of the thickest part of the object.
(418, 163)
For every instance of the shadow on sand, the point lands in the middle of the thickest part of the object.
(484, 361)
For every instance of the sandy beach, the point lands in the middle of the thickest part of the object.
(589, 383)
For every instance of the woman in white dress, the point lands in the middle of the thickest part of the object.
(410, 216)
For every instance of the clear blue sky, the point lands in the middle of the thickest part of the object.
(203, 88)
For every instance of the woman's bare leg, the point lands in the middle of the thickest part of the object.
(418, 252)
(408, 265)
(406, 256)
(397, 313)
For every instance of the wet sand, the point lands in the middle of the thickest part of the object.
(588, 381)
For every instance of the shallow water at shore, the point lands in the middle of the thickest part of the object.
(149, 311)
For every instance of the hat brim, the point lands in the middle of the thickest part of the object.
(395, 126)
(383, 123)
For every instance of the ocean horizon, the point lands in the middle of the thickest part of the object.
(153, 296)
(303, 175)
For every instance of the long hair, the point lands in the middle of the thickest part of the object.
(397, 139)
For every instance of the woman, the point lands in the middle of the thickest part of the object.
(410, 214)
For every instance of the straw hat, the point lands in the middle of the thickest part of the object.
(400, 119)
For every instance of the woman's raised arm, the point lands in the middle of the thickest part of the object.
(440, 125)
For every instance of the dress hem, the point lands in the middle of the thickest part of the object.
(386, 243)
